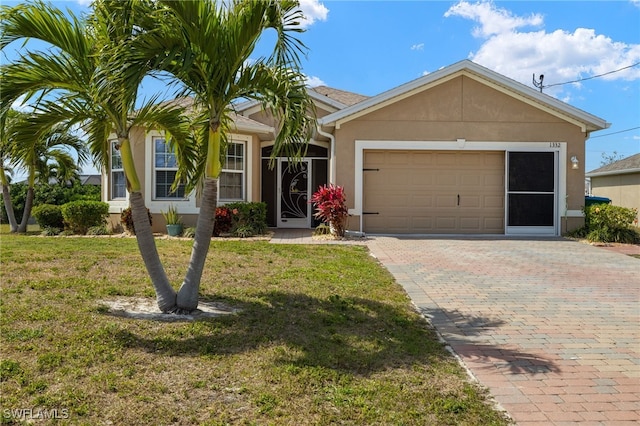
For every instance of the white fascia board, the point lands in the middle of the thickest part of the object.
(261, 129)
(613, 172)
(326, 100)
(586, 121)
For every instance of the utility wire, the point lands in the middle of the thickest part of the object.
(615, 133)
(593, 76)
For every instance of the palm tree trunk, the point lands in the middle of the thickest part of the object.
(26, 214)
(8, 206)
(165, 294)
(187, 299)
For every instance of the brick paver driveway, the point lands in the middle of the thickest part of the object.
(550, 327)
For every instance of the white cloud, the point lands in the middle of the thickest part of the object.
(313, 11)
(312, 81)
(560, 55)
(21, 105)
(85, 3)
(419, 46)
(491, 19)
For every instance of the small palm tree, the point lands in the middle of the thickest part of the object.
(38, 153)
(207, 46)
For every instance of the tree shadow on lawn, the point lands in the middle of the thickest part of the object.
(347, 334)
(469, 336)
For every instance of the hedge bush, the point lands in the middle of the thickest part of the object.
(249, 218)
(48, 216)
(610, 224)
(241, 219)
(79, 216)
(49, 194)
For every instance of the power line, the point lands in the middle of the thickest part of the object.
(615, 133)
(593, 76)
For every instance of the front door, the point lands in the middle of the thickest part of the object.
(294, 210)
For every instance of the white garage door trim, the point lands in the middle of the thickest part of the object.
(462, 145)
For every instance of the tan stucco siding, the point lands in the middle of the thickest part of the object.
(623, 190)
(138, 135)
(461, 108)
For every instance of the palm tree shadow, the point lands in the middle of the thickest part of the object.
(346, 334)
(470, 337)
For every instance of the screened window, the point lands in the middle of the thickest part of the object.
(118, 184)
(232, 178)
(165, 170)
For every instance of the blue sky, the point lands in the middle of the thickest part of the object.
(368, 47)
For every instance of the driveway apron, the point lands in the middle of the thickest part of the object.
(550, 326)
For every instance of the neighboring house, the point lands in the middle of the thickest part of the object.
(618, 181)
(463, 150)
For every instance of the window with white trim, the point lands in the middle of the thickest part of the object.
(118, 184)
(232, 177)
(165, 170)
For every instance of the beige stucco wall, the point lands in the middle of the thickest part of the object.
(461, 108)
(138, 140)
(623, 189)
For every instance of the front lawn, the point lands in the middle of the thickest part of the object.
(324, 336)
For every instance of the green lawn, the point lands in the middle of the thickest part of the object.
(324, 336)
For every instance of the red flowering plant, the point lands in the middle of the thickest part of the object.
(331, 207)
(224, 220)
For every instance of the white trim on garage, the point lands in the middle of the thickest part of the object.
(462, 145)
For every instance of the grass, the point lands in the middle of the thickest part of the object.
(324, 336)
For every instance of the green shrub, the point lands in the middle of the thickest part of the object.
(79, 216)
(251, 218)
(189, 232)
(126, 219)
(50, 232)
(45, 193)
(609, 223)
(48, 216)
(98, 230)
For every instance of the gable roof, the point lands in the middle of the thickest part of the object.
(342, 96)
(586, 121)
(335, 98)
(626, 165)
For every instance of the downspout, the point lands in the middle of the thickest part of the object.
(332, 158)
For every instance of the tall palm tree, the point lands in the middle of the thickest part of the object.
(85, 81)
(208, 45)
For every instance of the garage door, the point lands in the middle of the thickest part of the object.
(433, 192)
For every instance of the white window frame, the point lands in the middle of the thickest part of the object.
(156, 169)
(242, 172)
(114, 148)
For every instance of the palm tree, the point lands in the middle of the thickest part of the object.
(88, 83)
(207, 46)
(41, 152)
(6, 170)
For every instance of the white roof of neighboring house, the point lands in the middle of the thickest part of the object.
(586, 121)
(626, 165)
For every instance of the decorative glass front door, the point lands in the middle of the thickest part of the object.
(293, 206)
